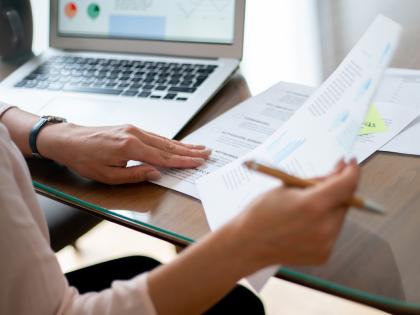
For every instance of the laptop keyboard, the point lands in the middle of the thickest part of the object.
(129, 78)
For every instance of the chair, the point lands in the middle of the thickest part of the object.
(65, 224)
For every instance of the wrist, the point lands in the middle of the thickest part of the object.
(241, 248)
(54, 140)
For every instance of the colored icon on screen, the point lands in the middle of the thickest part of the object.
(70, 10)
(94, 10)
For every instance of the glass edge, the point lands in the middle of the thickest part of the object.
(347, 291)
(80, 202)
(283, 270)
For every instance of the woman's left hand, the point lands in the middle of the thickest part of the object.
(102, 153)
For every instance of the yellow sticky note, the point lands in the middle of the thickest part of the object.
(373, 122)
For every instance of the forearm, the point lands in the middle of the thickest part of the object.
(19, 124)
(50, 140)
(203, 274)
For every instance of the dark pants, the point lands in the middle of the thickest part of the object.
(99, 277)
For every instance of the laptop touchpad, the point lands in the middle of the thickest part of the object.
(90, 112)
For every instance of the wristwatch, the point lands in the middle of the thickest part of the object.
(36, 129)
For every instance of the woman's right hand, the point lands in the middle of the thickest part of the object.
(298, 226)
(285, 226)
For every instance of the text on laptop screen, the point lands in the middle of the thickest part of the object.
(200, 21)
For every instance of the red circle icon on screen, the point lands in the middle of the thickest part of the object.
(70, 10)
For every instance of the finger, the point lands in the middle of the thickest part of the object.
(188, 145)
(157, 157)
(172, 146)
(338, 169)
(130, 175)
(337, 189)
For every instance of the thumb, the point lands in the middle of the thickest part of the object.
(334, 191)
(131, 175)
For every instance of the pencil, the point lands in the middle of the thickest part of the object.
(293, 181)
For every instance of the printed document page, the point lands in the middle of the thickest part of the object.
(402, 87)
(250, 123)
(395, 117)
(312, 141)
(238, 132)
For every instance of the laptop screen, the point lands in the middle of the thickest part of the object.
(197, 21)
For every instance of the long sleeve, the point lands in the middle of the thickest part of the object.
(4, 107)
(31, 281)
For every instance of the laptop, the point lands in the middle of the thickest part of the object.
(150, 63)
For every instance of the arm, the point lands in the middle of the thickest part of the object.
(286, 226)
(102, 153)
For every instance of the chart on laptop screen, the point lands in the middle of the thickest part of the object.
(201, 21)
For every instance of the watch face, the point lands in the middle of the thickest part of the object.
(54, 119)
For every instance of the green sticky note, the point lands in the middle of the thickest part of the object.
(373, 122)
(94, 10)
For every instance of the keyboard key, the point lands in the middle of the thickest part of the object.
(42, 85)
(20, 84)
(161, 88)
(186, 83)
(30, 84)
(205, 71)
(148, 87)
(136, 86)
(156, 96)
(55, 86)
(182, 99)
(129, 93)
(144, 94)
(180, 89)
(170, 96)
(81, 89)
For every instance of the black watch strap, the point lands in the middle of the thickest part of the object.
(36, 129)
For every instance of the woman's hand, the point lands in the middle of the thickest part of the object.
(285, 226)
(102, 153)
(296, 226)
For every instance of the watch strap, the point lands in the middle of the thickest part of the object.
(33, 135)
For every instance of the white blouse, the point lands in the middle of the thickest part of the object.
(31, 281)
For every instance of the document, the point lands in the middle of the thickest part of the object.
(402, 87)
(237, 132)
(313, 140)
(395, 118)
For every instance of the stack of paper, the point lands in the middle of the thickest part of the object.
(402, 88)
(302, 131)
(313, 140)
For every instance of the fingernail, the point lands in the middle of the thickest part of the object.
(154, 175)
(199, 161)
(353, 161)
(207, 151)
(200, 147)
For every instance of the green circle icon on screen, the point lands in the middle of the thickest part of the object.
(94, 10)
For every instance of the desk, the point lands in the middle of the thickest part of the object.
(376, 260)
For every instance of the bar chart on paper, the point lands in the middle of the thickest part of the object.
(278, 155)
